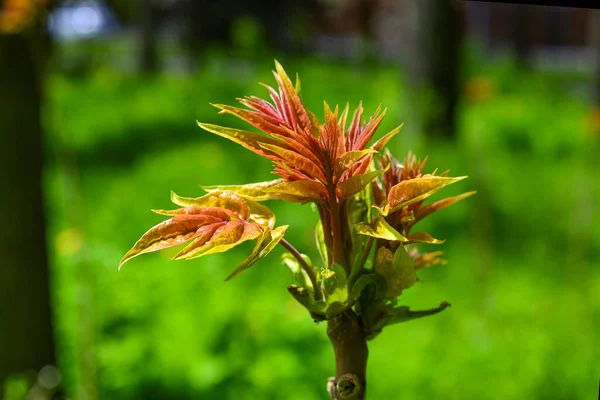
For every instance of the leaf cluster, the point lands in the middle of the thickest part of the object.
(367, 202)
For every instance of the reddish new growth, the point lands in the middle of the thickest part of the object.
(367, 202)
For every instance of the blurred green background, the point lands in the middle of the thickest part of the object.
(522, 277)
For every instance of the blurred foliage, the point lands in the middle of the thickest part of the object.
(523, 275)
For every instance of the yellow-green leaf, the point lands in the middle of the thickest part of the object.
(298, 85)
(251, 191)
(334, 284)
(382, 230)
(221, 199)
(320, 241)
(380, 144)
(350, 157)
(355, 184)
(422, 237)
(438, 205)
(267, 242)
(298, 191)
(406, 270)
(413, 190)
(301, 276)
(251, 141)
(261, 214)
(384, 266)
(361, 283)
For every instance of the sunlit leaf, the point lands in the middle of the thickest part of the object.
(413, 190)
(251, 191)
(186, 224)
(298, 85)
(298, 191)
(350, 157)
(221, 199)
(438, 205)
(266, 123)
(380, 144)
(422, 237)
(382, 230)
(223, 239)
(297, 161)
(355, 184)
(293, 99)
(267, 242)
(251, 141)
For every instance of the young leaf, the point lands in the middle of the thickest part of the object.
(406, 271)
(438, 205)
(397, 270)
(422, 237)
(382, 230)
(380, 144)
(186, 224)
(223, 239)
(305, 298)
(261, 214)
(413, 190)
(362, 282)
(251, 191)
(220, 199)
(294, 102)
(384, 266)
(296, 160)
(298, 191)
(320, 241)
(251, 141)
(334, 284)
(299, 273)
(301, 295)
(404, 313)
(355, 184)
(350, 157)
(268, 241)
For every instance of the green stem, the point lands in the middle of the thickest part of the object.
(307, 268)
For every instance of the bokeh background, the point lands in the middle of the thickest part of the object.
(98, 103)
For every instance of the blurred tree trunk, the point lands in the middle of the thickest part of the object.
(207, 23)
(436, 30)
(522, 42)
(595, 40)
(26, 334)
(148, 16)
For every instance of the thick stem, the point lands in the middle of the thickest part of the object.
(348, 337)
